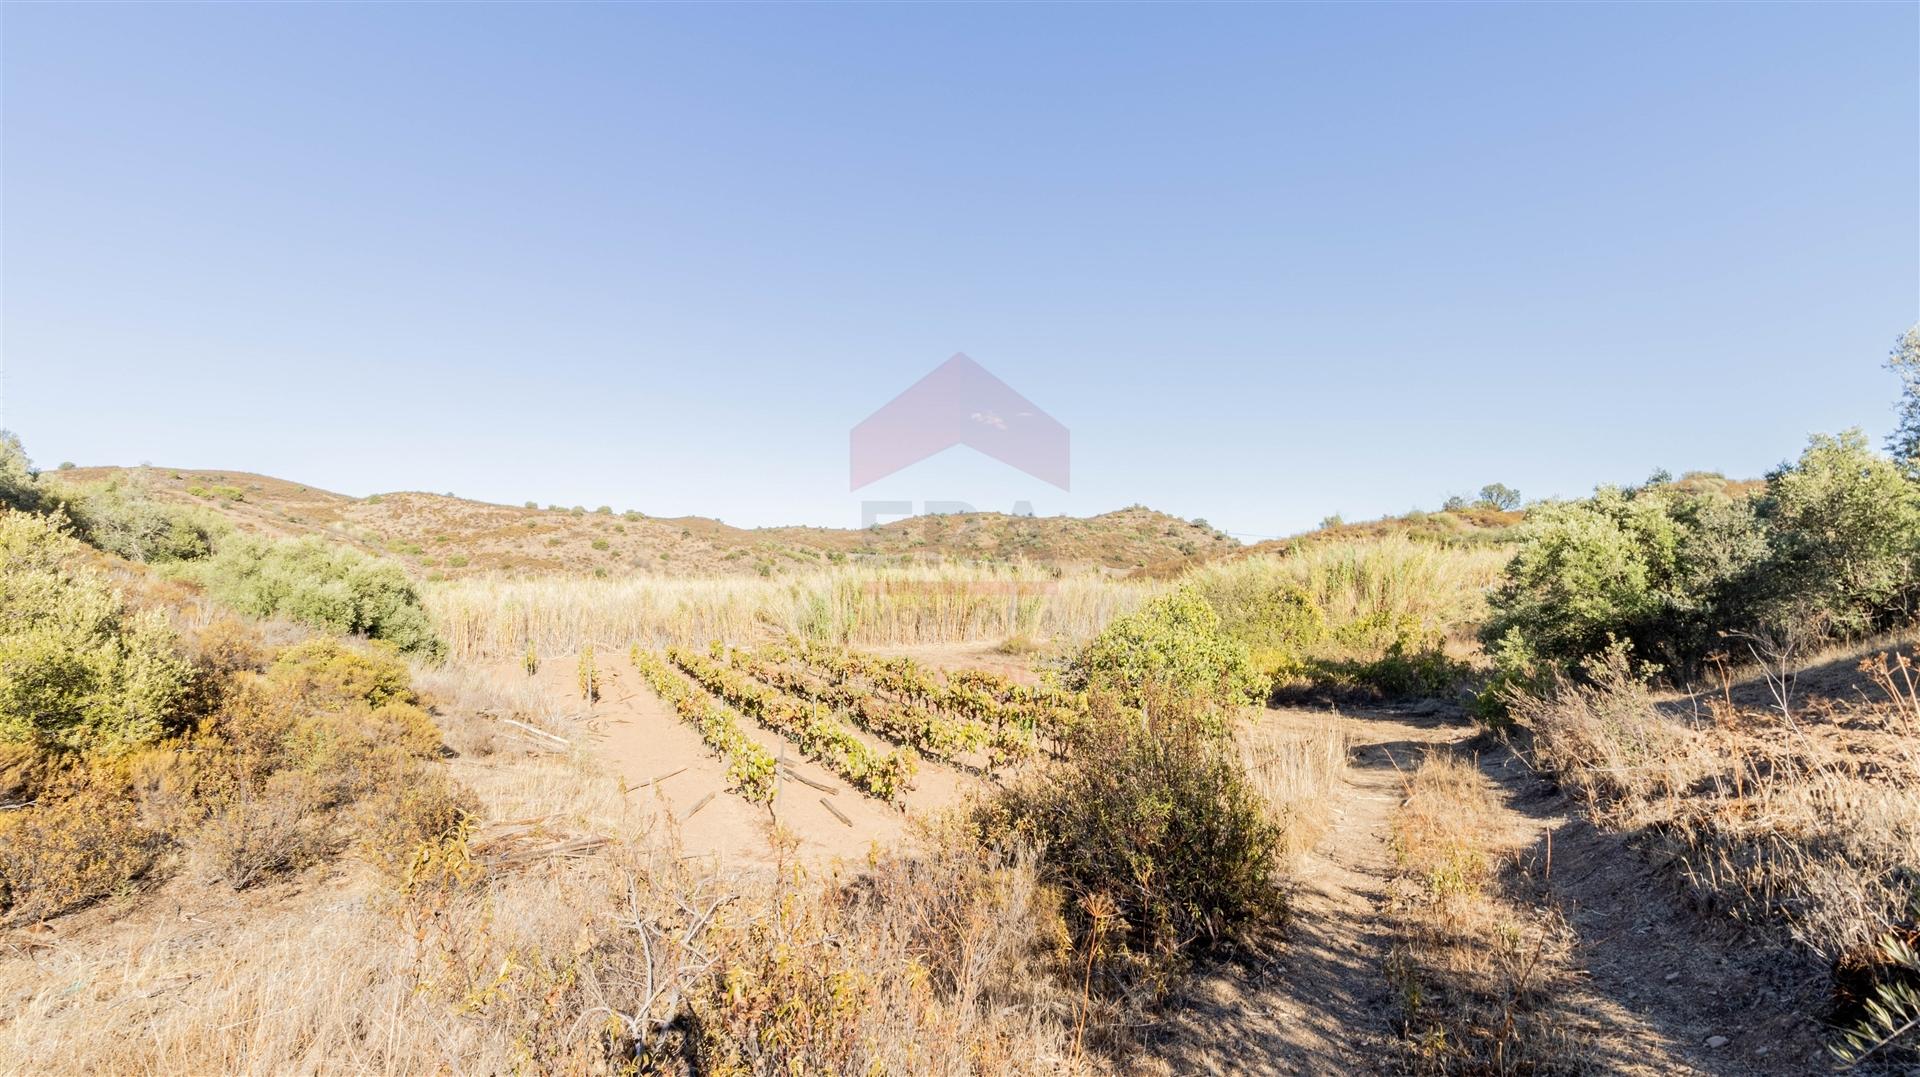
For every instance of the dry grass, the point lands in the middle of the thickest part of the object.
(1806, 820)
(497, 618)
(1477, 972)
(556, 933)
(1296, 761)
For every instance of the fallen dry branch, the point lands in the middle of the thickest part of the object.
(650, 782)
(704, 801)
(804, 780)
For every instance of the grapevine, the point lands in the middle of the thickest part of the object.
(911, 723)
(749, 766)
(820, 735)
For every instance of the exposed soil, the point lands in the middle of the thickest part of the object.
(667, 772)
(1659, 982)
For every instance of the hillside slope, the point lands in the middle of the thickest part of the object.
(436, 534)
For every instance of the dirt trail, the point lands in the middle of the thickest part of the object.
(1323, 1006)
(1657, 983)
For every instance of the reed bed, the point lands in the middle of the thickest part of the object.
(1441, 589)
(494, 618)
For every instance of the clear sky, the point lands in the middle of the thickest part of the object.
(1267, 263)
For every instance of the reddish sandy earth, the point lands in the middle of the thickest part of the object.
(671, 778)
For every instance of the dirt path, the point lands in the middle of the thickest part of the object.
(1659, 984)
(1665, 988)
(1324, 1005)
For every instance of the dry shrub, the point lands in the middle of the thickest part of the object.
(1610, 743)
(1161, 845)
(414, 831)
(634, 959)
(259, 788)
(85, 843)
(1807, 822)
(931, 961)
(278, 828)
(24, 768)
(1476, 972)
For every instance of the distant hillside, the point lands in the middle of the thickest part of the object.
(1475, 525)
(450, 536)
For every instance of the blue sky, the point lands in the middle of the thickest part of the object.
(1267, 263)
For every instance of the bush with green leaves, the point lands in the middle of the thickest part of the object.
(122, 517)
(1662, 567)
(78, 669)
(326, 587)
(1671, 569)
(1169, 652)
(1846, 535)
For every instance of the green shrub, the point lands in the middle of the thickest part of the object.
(1405, 671)
(1846, 526)
(326, 587)
(121, 517)
(1671, 568)
(1170, 652)
(330, 673)
(78, 670)
(1663, 568)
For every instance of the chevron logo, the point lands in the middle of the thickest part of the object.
(959, 403)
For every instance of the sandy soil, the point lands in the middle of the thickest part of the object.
(667, 773)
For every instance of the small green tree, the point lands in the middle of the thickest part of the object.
(1846, 525)
(1904, 442)
(1497, 495)
(19, 482)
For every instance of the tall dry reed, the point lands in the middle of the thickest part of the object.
(1441, 589)
(495, 618)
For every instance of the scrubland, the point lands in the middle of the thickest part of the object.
(273, 802)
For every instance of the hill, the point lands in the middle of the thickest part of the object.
(441, 535)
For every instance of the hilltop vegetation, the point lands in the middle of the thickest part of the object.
(443, 536)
